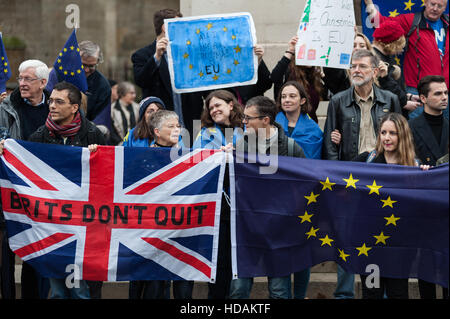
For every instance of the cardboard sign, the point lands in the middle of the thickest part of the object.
(211, 52)
(326, 33)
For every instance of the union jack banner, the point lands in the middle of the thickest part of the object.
(116, 214)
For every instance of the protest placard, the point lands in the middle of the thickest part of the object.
(211, 52)
(326, 34)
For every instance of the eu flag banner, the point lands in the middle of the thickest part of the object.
(5, 70)
(68, 64)
(211, 52)
(117, 214)
(389, 8)
(355, 214)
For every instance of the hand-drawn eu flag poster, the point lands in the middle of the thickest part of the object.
(117, 214)
(356, 214)
(326, 34)
(211, 52)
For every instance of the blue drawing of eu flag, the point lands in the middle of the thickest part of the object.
(5, 70)
(68, 64)
(211, 52)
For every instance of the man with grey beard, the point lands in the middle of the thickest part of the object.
(351, 127)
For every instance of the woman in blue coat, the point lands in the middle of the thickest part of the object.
(293, 117)
(221, 121)
(221, 126)
(140, 136)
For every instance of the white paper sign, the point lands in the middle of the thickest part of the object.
(326, 33)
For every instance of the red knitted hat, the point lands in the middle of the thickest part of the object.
(388, 32)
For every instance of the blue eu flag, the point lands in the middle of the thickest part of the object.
(389, 8)
(356, 214)
(5, 70)
(68, 64)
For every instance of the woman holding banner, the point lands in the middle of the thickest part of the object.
(164, 129)
(221, 128)
(394, 146)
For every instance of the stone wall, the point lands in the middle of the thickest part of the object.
(119, 26)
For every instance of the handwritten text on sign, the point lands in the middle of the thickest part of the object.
(326, 34)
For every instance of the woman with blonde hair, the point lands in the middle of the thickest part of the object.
(395, 145)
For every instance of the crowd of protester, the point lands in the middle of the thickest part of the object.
(367, 120)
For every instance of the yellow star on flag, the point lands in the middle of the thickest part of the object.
(326, 240)
(343, 255)
(327, 184)
(388, 202)
(381, 238)
(209, 26)
(350, 181)
(363, 250)
(191, 66)
(374, 188)
(409, 5)
(201, 74)
(225, 29)
(215, 77)
(72, 47)
(233, 37)
(312, 232)
(236, 62)
(229, 71)
(393, 13)
(197, 31)
(237, 49)
(397, 60)
(392, 220)
(72, 73)
(306, 217)
(312, 198)
(61, 68)
(188, 42)
(423, 3)
(65, 72)
(186, 56)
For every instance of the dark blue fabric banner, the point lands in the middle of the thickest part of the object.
(355, 214)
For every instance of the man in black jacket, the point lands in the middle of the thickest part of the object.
(151, 73)
(67, 125)
(430, 132)
(430, 129)
(354, 115)
(356, 112)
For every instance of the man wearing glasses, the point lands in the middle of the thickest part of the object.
(353, 116)
(21, 114)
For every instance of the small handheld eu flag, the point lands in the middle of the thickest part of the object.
(68, 64)
(5, 70)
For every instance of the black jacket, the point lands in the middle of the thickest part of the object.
(283, 145)
(427, 148)
(344, 114)
(155, 81)
(87, 135)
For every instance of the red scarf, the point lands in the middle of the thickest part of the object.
(67, 130)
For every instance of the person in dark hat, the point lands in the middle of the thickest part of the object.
(140, 135)
(389, 41)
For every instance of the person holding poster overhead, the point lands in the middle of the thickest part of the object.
(308, 76)
(151, 74)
